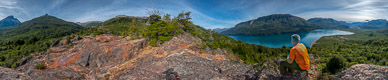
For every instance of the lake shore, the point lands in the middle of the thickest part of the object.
(314, 42)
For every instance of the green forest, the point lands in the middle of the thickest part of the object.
(32, 36)
(366, 46)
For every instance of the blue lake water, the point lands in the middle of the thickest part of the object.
(278, 40)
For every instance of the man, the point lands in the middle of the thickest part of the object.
(298, 58)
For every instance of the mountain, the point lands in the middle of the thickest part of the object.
(90, 23)
(355, 24)
(9, 21)
(271, 24)
(374, 24)
(45, 26)
(32, 36)
(328, 23)
(219, 30)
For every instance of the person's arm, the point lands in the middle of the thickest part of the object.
(290, 60)
(291, 57)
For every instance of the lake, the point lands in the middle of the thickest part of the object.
(278, 40)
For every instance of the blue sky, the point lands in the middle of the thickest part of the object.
(206, 13)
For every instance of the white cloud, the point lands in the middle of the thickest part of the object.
(360, 11)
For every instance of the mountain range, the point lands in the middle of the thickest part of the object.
(9, 21)
(219, 30)
(328, 23)
(272, 24)
(286, 23)
(89, 23)
(374, 24)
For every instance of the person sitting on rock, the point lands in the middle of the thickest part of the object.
(298, 58)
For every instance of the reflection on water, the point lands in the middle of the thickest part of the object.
(278, 40)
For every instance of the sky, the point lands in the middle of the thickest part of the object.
(209, 14)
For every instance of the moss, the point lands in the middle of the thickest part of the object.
(14, 65)
(106, 76)
(40, 66)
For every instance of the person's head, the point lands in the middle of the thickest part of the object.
(295, 39)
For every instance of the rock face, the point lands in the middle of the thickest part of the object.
(365, 72)
(10, 74)
(112, 57)
(9, 21)
(269, 70)
(179, 59)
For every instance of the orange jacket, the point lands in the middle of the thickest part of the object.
(300, 55)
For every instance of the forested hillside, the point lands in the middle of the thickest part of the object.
(337, 53)
(32, 36)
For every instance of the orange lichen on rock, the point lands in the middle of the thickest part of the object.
(107, 50)
(66, 59)
(219, 57)
(160, 53)
(125, 55)
(86, 44)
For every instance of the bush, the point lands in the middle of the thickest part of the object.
(161, 31)
(40, 66)
(336, 64)
(14, 65)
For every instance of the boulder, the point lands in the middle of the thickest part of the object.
(365, 72)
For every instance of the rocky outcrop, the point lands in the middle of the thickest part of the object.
(87, 58)
(365, 72)
(10, 74)
(180, 58)
(113, 57)
(269, 70)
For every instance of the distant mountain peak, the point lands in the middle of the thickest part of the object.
(11, 16)
(9, 21)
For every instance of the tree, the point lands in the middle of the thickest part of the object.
(336, 64)
(167, 18)
(154, 18)
(184, 19)
(133, 28)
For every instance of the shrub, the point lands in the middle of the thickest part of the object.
(336, 64)
(40, 66)
(14, 65)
